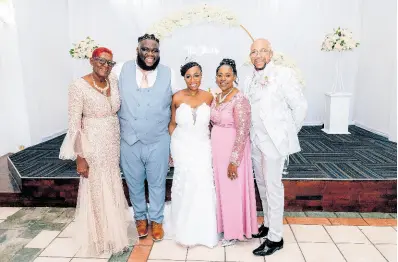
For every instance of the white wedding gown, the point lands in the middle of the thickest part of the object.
(190, 219)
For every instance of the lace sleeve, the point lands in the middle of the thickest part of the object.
(241, 112)
(75, 142)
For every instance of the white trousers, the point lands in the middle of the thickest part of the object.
(268, 168)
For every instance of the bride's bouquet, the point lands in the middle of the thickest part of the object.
(340, 40)
(84, 49)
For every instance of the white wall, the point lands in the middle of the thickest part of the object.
(46, 30)
(14, 122)
(289, 24)
(392, 134)
(43, 45)
(376, 85)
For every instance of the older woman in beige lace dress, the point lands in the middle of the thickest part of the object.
(104, 223)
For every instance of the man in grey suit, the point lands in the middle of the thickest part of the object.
(145, 93)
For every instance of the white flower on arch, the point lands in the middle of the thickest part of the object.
(202, 13)
(210, 14)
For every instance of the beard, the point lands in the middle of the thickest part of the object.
(143, 66)
(259, 69)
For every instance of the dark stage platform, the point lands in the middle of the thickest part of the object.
(356, 172)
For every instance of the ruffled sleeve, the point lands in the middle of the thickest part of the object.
(75, 142)
(241, 114)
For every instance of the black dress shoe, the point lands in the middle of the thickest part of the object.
(262, 232)
(268, 247)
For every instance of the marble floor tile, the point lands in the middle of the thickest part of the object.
(321, 252)
(43, 239)
(26, 255)
(388, 251)
(360, 253)
(5, 212)
(380, 235)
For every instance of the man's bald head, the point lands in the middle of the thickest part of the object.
(260, 53)
(261, 43)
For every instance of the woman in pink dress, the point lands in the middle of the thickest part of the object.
(233, 173)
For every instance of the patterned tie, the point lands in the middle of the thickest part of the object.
(255, 87)
(144, 81)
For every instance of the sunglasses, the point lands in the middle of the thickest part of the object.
(103, 61)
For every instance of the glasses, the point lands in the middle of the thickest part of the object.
(103, 61)
(147, 50)
(263, 51)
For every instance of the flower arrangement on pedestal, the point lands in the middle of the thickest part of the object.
(340, 40)
(83, 49)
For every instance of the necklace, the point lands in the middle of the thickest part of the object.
(103, 90)
(222, 98)
(192, 94)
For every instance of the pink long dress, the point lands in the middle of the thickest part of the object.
(236, 201)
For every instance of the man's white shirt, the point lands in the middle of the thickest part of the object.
(151, 76)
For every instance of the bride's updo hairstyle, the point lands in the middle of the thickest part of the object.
(188, 66)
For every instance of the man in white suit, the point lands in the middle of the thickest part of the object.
(278, 109)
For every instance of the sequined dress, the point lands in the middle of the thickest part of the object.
(103, 220)
(236, 200)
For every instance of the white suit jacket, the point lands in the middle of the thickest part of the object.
(282, 110)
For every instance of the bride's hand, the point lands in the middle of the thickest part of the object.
(232, 171)
(171, 163)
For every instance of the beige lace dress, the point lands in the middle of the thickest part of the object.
(103, 221)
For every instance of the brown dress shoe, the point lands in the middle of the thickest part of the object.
(142, 228)
(157, 231)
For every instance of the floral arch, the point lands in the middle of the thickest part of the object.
(211, 14)
(204, 13)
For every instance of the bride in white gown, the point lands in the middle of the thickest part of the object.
(191, 218)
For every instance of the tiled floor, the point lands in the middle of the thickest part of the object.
(44, 235)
